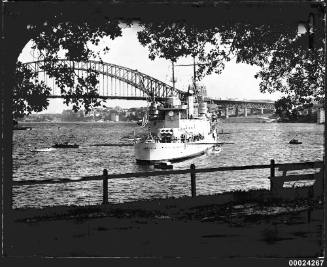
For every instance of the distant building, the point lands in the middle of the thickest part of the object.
(321, 115)
(70, 115)
(114, 117)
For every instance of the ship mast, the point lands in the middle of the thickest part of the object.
(172, 62)
(194, 74)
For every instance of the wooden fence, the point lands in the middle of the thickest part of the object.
(192, 171)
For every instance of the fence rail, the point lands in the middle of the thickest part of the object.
(192, 171)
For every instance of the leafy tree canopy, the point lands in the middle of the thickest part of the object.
(30, 94)
(73, 39)
(288, 111)
(287, 64)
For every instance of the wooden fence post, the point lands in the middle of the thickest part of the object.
(193, 184)
(272, 174)
(105, 187)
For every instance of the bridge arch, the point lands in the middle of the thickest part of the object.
(148, 86)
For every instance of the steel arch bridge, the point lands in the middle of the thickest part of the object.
(115, 82)
(118, 82)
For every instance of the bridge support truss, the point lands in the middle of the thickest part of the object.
(114, 80)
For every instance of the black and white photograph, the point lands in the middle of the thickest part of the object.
(164, 130)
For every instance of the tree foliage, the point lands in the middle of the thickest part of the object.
(287, 64)
(176, 40)
(29, 94)
(71, 40)
(288, 111)
(296, 72)
(284, 107)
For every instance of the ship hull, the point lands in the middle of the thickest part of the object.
(149, 162)
(150, 153)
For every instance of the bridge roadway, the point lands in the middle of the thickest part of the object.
(118, 82)
(227, 106)
(219, 102)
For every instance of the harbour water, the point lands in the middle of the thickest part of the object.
(253, 143)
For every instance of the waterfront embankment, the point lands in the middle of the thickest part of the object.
(234, 224)
(268, 118)
(251, 119)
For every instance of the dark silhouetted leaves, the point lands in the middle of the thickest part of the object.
(71, 39)
(29, 94)
(287, 64)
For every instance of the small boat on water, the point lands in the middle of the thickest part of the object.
(43, 149)
(267, 119)
(22, 128)
(216, 149)
(163, 165)
(295, 142)
(65, 145)
(18, 127)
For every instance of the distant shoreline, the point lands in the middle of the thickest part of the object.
(266, 118)
(253, 120)
(79, 122)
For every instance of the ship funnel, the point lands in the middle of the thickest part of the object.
(190, 104)
(153, 110)
(203, 109)
(173, 101)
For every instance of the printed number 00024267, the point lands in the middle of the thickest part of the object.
(317, 262)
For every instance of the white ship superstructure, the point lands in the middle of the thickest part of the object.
(176, 131)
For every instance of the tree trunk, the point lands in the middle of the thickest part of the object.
(14, 38)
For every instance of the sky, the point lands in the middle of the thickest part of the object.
(236, 81)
